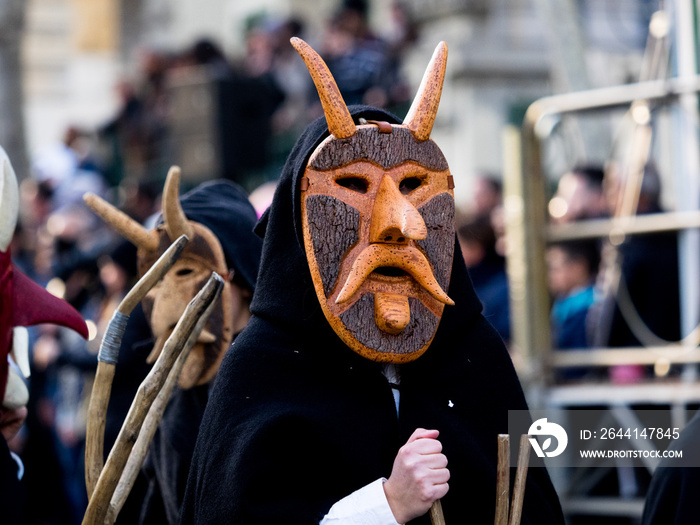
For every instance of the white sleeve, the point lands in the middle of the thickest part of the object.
(366, 506)
(20, 465)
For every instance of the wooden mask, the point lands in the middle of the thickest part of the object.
(378, 221)
(22, 301)
(166, 302)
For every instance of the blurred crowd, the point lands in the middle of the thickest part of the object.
(264, 102)
(603, 295)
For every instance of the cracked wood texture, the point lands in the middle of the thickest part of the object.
(384, 149)
(359, 319)
(334, 229)
(439, 217)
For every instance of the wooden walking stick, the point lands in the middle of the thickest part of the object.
(150, 425)
(147, 392)
(107, 360)
(516, 505)
(436, 516)
(502, 480)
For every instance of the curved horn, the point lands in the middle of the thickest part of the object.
(338, 117)
(421, 117)
(122, 223)
(9, 201)
(176, 223)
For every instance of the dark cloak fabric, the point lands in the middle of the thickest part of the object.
(13, 493)
(168, 462)
(673, 494)
(296, 420)
(650, 269)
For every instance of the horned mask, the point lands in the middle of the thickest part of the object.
(378, 221)
(166, 302)
(22, 301)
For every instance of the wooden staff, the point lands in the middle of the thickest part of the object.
(150, 425)
(147, 392)
(502, 480)
(520, 479)
(436, 516)
(107, 360)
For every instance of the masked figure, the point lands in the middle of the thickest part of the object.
(365, 330)
(206, 229)
(22, 303)
(218, 219)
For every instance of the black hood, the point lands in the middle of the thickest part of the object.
(224, 208)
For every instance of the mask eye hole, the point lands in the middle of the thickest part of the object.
(409, 184)
(183, 271)
(356, 184)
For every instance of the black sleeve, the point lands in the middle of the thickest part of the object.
(12, 492)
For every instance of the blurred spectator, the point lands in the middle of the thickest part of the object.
(572, 267)
(648, 290)
(401, 33)
(206, 52)
(141, 200)
(487, 271)
(67, 169)
(358, 60)
(134, 142)
(488, 195)
(579, 195)
(245, 96)
(293, 79)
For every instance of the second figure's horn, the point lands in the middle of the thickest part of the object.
(176, 222)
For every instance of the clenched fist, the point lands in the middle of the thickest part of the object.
(419, 476)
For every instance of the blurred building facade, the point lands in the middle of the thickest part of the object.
(503, 55)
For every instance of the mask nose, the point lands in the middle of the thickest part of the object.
(394, 219)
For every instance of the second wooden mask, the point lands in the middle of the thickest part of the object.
(165, 303)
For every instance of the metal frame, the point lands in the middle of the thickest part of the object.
(526, 226)
(527, 234)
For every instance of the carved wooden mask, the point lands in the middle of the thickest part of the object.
(22, 301)
(378, 221)
(166, 302)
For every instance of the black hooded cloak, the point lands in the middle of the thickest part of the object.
(296, 420)
(672, 495)
(224, 208)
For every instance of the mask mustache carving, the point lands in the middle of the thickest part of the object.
(406, 258)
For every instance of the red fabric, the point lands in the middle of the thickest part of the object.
(25, 303)
(32, 305)
(5, 317)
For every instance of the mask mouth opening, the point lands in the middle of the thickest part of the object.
(391, 271)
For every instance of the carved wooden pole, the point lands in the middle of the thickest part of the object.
(436, 516)
(147, 392)
(107, 360)
(155, 414)
(502, 480)
(516, 506)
